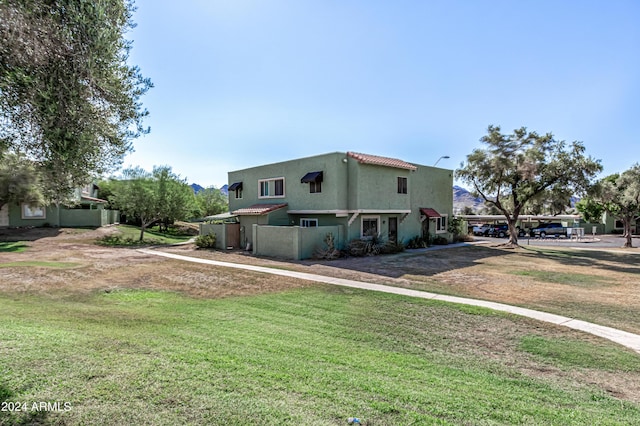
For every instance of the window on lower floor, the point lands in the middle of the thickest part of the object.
(370, 226)
(33, 212)
(441, 223)
(308, 223)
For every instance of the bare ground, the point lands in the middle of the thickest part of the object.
(607, 281)
(96, 268)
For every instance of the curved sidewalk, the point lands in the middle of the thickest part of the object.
(624, 338)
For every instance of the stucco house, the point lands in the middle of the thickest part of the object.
(84, 210)
(286, 209)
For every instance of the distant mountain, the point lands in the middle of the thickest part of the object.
(196, 188)
(463, 198)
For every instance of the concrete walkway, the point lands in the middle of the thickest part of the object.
(624, 338)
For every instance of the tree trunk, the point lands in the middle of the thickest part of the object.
(626, 222)
(513, 231)
(142, 226)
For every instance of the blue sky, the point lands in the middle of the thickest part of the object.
(239, 83)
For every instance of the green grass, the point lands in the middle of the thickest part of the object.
(39, 264)
(128, 235)
(573, 279)
(13, 247)
(574, 353)
(314, 356)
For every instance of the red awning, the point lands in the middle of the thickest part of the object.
(258, 209)
(430, 212)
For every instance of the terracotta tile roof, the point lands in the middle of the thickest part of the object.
(381, 161)
(430, 212)
(259, 209)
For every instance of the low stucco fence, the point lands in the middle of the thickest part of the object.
(88, 218)
(293, 242)
(227, 234)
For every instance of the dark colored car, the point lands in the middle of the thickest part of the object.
(550, 229)
(499, 231)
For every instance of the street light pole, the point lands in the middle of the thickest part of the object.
(444, 156)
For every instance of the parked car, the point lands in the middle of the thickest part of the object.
(481, 229)
(550, 229)
(500, 231)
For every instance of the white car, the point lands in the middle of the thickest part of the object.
(481, 229)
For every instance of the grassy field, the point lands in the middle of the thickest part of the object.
(592, 285)
(12, 247)
(308, 356)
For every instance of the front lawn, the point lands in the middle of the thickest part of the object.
(314, 356)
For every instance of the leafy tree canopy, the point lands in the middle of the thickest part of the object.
(68, 98)
(152, 197)
(619, 194)
(19, 181)
(211, 201)
(590, 209)
(519, 168)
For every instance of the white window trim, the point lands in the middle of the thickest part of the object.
(27, 207)
(308, 219)
(238, 192)
(444, 217)
(363, 218)
(272, 187)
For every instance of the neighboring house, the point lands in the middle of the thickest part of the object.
(85, 209)
(286, 209)
(613, 225)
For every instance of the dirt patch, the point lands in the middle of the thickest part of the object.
(105, 268)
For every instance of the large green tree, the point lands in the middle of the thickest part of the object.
(211, 201)
(518, 168)
(619, 194)
(68, 97)
(19, 181)
(159, 196)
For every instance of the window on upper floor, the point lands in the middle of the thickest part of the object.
(402, 185)
(271, 188)
(236, 188)
(314, 179)
(315, 187)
